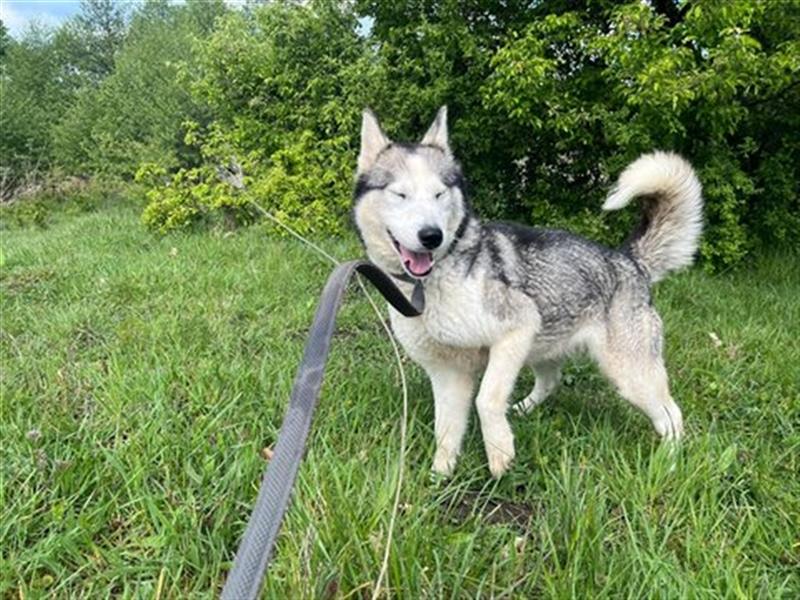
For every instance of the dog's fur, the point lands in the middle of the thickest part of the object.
(500, 296)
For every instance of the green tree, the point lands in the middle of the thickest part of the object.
(432, 53)
(32, 98)
(5, 41)
(284, 83)
(136, 114)
(709, 80)
(94, 36)
(44, 75)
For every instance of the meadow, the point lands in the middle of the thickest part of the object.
(145, 377)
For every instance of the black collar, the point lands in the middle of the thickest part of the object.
(418, 294)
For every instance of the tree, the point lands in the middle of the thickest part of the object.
(710, 80)
(284, 83)
(5, 41)
(94, 36)
(136, 114)
(548, 101)
(32, 98)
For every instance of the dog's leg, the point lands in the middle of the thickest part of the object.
(645, 386)
(452, 396)
(548, 374)
(631, 358)
(506, 358)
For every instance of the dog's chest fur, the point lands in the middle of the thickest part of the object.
(462, 313)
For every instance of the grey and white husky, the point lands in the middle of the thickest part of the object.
(500, 296)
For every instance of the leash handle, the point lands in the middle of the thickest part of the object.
(255, 548)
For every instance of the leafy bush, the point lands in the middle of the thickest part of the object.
(302, 187)
(187, 198)
(280, 83)
(593, 95)
(548, 102)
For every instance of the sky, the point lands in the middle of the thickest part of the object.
(17, 14)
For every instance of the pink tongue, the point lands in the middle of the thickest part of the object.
(418, 263)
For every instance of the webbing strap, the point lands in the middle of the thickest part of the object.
(247, 573)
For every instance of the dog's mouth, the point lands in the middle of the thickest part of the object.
(416, 264)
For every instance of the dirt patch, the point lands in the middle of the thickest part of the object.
(494, 511)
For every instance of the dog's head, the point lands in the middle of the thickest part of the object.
(409, 203)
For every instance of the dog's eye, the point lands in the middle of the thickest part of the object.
(400, 195)
(440, 194)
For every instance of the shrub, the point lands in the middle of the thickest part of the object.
(308, 184)
(280, 83)
(305, 185)
(189, 197)
(548, 102)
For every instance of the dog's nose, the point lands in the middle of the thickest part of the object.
(431, 237)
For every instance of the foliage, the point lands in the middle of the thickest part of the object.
(44, 202)
(45, 75)
(284, 107)
(280, 69)
(302, 188)
(94, 38)
(189, 197)
(593, 95)
(135, 114)
(548, 102)
(31, 98)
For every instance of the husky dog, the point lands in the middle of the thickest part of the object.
(500, 296)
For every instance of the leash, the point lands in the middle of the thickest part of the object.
(252, 558)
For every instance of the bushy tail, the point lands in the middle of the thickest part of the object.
(672, 217)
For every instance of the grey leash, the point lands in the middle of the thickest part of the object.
(247, 573)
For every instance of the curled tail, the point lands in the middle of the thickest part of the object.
(672, 216)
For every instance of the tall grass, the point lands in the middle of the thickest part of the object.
(143, 377)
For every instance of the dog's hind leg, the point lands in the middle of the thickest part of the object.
(631, 357)
(452, 396)
(548, 375)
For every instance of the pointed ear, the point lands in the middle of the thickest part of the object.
(373, 140)
(437, 132)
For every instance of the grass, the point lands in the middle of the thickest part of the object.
(143, 376)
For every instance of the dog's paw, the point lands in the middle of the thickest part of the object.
(528, 403)
(444, 462)
(499, 463)
(500, 454)
(524, 407)
(669, 424)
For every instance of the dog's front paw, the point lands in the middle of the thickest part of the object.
(444, 462)
(500, 453)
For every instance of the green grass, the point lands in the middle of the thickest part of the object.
(142, 376)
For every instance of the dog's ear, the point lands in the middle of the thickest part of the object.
(373, 140)
(437, 132)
